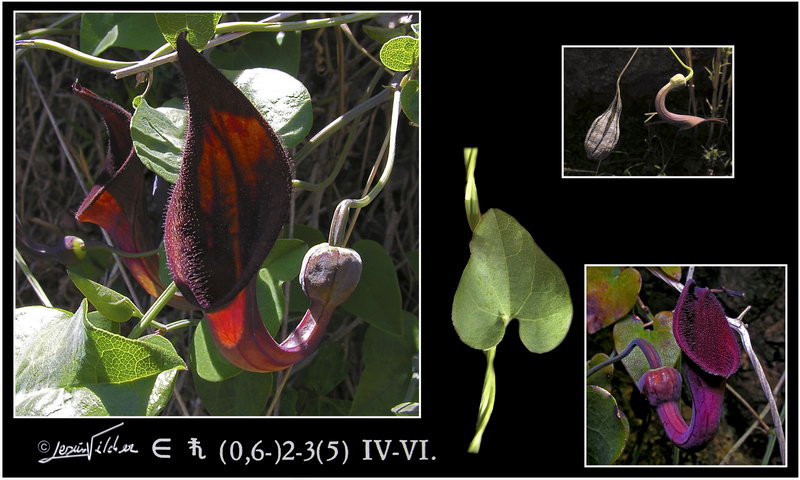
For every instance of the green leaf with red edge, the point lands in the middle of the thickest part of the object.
(611, 292)
(660, 336)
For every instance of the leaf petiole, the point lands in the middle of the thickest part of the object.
(153, 311)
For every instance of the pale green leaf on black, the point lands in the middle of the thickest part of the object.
(659, 335)
(243, 395)
(509, 277)
(137, 31)
(602, 377)
(607, 427)
(205, 359)
(377, 298)
(409, 100)
(611, 292)
(67, 366)
(200, 27)
(111, 304)
(400, 53)
(390, 363)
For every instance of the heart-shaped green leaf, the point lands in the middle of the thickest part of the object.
(100, 31)
(508, 276)
(660, 336)
(610, 294)
(199, 27)
(108, 302)
(67, 366)
(400, 53)
(157, 135)
(607, 427)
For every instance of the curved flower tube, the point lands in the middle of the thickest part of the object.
(117, 201)
(662, 387)
(224, 215)
(328, 276)
(711, 355)
(685, 122)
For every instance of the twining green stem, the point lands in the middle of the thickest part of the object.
(123, 69)
(487, 401)
(37, 288)
(691, 72)
(233, 30)
(471, 192)
(44, 32)
(153, 311)
(650, 353)
(312, 24)
(336, 235)
(70, 52)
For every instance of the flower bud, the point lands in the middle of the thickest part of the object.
(661, 385)
(330, 274)
(74, 250)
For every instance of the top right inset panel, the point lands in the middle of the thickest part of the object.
(654, 111)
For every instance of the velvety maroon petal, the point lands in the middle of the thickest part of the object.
(117, 202)
(232, 195)
(701, 330)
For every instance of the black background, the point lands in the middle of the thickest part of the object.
(491, 74)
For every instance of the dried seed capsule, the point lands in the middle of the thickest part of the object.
(603, 135)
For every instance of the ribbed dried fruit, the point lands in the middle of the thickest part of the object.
(603, 135)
